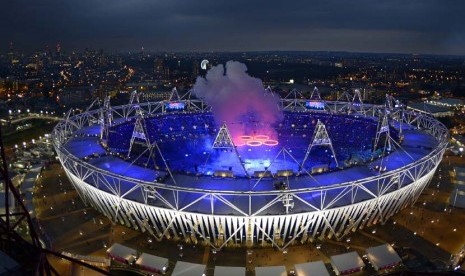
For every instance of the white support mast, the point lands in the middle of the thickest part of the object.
(133, 105)
(140, 135)
(105, 120)
(390, 102)
(134, 97)
(320, 138)
(174, 95)
(383, 129)
(315, 94)
(345, 97)
(268, 90)
(224, 140)
(295, 99)
(357, 101)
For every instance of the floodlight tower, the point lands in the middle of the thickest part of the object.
(315, 94)
(320, 138)
(105, 119)
(224, 140)
(383, 129)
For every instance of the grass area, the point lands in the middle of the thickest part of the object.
(39, 128)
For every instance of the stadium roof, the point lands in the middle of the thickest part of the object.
(383, 256)
(457, 197)
(271, 270)
(447, 102)
(347, 262)
(428, 108)
(415, 146)
(188, 269)
(317, 268)
(229, 271)
(150, 261)
(121, 251)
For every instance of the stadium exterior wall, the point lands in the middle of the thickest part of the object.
(280, 230)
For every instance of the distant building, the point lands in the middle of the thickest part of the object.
(367, 94)
(154, 95)
(159, 68)
(447, 102)
(457, 196)
(195, 69)
(105, 90)
(75, 96)
(141, 86)
(435, 110)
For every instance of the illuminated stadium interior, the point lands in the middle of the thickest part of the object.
(186, 140)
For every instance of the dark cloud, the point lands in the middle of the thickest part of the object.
(421, 26)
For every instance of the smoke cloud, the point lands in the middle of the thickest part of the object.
(239, 100)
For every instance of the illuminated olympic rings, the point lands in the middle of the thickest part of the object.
(270, 143)
(256, 141)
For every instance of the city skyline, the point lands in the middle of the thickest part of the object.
(321, 137)
(420, 27)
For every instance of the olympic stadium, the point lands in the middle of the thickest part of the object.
(328, 168)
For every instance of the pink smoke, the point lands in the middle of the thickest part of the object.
(239, 100)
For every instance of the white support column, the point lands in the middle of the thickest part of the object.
(383, 128)
(174, 95)
(320, 138)
(357, 102)
(105, 119)
(224, 140)
(140, 135)
(315, 95)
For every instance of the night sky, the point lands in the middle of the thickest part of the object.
(394, 26)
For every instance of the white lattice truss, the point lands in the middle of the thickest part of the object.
(223, 140)
(174, 95)
(315, 94)
(383, 130)
(105, 119)
(140, 135)
(336, 211)
(320, 138)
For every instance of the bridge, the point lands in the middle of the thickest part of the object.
(30, 116)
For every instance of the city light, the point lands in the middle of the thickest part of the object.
(284, 158)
